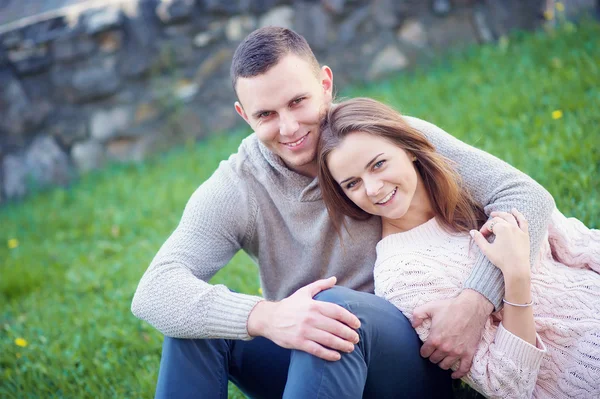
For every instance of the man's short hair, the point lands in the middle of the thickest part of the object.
(264, 48)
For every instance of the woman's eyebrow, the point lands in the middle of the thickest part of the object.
(367, 166)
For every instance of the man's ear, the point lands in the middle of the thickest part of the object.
(327, 80)
(240, 111)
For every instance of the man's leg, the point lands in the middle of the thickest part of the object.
(201, 368)
(385, 363)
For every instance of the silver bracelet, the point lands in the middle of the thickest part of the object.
(519, 305)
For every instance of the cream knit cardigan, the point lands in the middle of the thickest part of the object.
(427, 263)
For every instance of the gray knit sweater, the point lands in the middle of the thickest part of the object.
(255, 203)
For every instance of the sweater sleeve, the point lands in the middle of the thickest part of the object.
(497, 186)
(505, 366)
(174, 295)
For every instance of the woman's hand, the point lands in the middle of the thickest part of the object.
(510, 249)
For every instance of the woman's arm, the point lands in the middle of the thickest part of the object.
(510, 253)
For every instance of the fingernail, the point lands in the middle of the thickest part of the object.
(472, 233)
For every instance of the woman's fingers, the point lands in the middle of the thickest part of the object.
(523, 224)
(509, 217)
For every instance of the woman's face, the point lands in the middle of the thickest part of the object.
(377, 175)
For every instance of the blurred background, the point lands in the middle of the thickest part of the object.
(113, 112)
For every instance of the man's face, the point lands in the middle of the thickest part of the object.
(284, 107)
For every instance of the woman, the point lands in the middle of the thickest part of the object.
(545, 342)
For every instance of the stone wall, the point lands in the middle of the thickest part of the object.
(86, 86)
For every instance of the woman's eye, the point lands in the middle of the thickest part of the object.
(351, 184)
(379, 164)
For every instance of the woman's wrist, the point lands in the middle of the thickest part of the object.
(517, 287)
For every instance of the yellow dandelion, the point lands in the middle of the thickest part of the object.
(20, 342)
(560, 6)
(260, 291)
(13, 243)
(557, 114)
(549, 15)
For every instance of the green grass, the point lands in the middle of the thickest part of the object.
(78, 254)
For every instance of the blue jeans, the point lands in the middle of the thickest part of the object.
(385, 363)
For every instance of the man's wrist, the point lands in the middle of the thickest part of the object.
(482, 305)
(258, 318)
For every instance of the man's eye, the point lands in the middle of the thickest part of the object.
(379, 164)
(264, 114)
(298, 100)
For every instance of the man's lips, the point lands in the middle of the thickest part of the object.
(296, 143)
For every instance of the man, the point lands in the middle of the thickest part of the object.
(312, 340)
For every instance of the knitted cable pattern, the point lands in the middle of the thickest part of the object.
(427, 263)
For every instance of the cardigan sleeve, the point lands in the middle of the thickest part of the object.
(505, 366)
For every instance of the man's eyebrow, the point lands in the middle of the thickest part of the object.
(257, 113)
(367, 166)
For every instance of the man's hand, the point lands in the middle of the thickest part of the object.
(456, 328)
(300, 322)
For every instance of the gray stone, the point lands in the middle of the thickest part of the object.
(390, 59)
(282, 16)
(110, 41)
(350, 26)
(100, 20)
(454, 29)
(482, 26)
(30, 59)
(384, 13)
(46, 163)
(441, 7)
(87, 156)
(239, 26)
(15, 175)
(108, 124)
(68, 126)
(13, 103)
(311, 22)
(171, 11)
(95, 81)
(203, 39)
(11, 39)
(413, 32)
(334, 6)
(70, 48)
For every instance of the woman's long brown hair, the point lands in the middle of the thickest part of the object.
(454, 208)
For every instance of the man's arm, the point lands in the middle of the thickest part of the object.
(173, 295)
(498, 187)
(457, 324)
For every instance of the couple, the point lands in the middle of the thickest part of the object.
(309, 338)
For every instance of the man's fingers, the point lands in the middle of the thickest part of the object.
(337, 328)
(337, 312)
(437, 356)
(330, 341)
(319, 351)
(320, 285)
(464, 367)
(421, 313)
(427, 349)
(448, 362)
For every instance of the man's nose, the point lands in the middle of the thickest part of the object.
(288, 125)
(373, 186)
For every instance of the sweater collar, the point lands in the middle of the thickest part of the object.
(291, 184)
